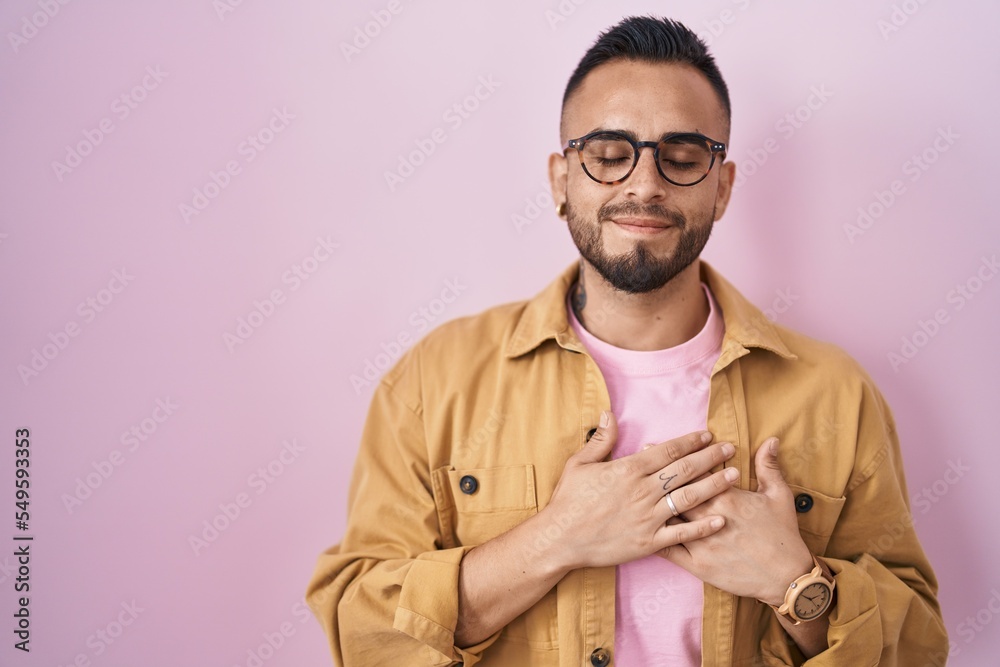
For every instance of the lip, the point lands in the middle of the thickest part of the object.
(641, 225)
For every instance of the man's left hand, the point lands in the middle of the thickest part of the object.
(759, 551)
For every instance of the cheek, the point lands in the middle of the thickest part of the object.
(588, 197)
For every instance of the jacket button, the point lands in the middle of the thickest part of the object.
(600, 657)
(590, 434)
(803, 502)
(468, 484)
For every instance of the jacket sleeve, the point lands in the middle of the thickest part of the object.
(886, 611)
(387, 594)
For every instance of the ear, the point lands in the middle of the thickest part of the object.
(557, 178)
(727, 176)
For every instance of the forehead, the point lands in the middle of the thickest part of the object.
(649, 98)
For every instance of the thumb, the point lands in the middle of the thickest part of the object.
(604, 438)
(766, 462)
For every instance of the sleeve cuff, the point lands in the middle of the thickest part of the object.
(428, 608)
(855, 620)
(854, 624)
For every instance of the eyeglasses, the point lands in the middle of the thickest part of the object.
(682, 158)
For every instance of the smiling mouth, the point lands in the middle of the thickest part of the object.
(642, 226)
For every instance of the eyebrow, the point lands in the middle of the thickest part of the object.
(635, 137)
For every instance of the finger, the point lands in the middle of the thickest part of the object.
(694, 494)
(704, 475)
(662, 454)
(693, 466)
(600, 444)
(769, 475)
(673, 536)
(678, 554)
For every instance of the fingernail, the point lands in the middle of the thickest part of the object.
(716, 522)
(774, 446)
(604, 418)
(706, 437)
(731, 474)
(728, 449)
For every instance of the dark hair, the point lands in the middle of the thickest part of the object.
(654, 40)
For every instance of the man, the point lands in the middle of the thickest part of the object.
(593, 476)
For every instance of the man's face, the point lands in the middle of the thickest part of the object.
(641, 233)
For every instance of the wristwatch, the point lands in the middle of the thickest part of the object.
(809, 596)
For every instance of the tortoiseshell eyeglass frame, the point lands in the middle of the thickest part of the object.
(716, 148)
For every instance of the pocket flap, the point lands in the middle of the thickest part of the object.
(821, 517)
(503, 488)
(477, 504)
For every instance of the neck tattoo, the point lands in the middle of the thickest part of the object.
(580, 293)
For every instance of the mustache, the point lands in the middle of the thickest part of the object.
(655, 211)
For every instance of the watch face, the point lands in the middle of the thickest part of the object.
(812, 601)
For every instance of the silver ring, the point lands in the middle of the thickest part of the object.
(670, 504)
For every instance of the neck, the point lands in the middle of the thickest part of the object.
(666, 317)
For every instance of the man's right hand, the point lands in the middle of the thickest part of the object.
(611, 512)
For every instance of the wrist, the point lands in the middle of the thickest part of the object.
(800, 564)
(548, 546)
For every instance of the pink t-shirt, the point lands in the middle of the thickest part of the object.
(657, 395)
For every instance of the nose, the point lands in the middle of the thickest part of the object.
(645, 182)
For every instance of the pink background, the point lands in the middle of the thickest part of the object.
(320, 174)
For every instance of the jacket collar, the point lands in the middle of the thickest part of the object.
(545, 317)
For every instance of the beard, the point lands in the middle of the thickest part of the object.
(639, 270)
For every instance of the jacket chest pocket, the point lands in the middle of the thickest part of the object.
(817, 514)
(474, 505)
